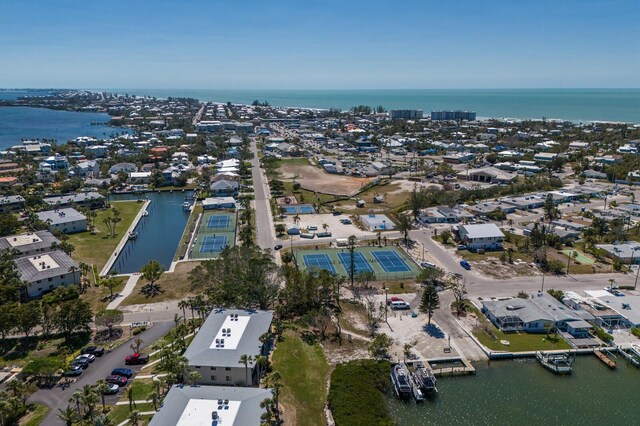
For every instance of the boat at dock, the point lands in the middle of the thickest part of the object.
(423, 379)
(186, 206)
(401, 381)
(631, 354)
(559, 363)
(133, 235)
(604, 358)
(145, 213)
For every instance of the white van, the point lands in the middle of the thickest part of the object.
(398, 305)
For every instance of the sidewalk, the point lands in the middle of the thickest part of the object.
(126, 291)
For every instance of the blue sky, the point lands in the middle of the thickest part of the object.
(320, 44)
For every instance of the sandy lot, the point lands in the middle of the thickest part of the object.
(315, 179)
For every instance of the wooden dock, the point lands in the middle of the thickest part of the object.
(467, 367)
(602, 357)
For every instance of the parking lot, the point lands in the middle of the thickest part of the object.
(337, 229)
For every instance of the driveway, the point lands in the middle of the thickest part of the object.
(58, 398)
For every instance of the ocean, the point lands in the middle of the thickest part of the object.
(576, 105)
(17, 123)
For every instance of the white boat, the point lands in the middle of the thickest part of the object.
(424, 379)
(186, 206)
(133, 235)
(145, 213)
(401, 380)
(559, 363)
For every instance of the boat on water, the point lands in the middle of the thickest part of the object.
(401, 381)
(133, 235)
(186, 206)
(145, 213)
(631, 354)
(423, 379)
(605, 359)
(559, 363)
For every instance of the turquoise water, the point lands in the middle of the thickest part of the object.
(568, 104)
(523, 393)
(158, 234)
(17, 123)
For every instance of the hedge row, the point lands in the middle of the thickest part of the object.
(356, 395)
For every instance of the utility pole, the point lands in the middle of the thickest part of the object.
(542, 289)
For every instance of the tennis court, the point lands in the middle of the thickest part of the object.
(299, 209)
(390, 261)
(359, 262)
(319, 261)
(218, 221)
(216, 230)
(213, 243)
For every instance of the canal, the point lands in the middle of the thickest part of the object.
(521, 392)
(159, 233)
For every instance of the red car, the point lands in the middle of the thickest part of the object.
(136, 358)
(394, 299)
(117, 380)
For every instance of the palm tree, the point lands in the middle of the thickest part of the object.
(130, 396)
(379, 235)
(102, 387)
(89, 398)
(296, 219)
(183, 304)
(76, 398)
(325, 227)
(73, 269)
(134, 418)
(69, 415)
(193, 318)
(246, 360)
(404, 226)
(154, 397)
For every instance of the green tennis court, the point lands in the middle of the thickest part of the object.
(215, 232)
(385, 262)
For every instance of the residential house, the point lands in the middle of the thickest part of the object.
(67, 220)
(486, 236)
(43, 273)
(224, 188)
(11, 203)
(29, 244)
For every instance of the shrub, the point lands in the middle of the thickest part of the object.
(356, 396)
(602, 335)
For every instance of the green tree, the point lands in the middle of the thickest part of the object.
(152, 272)
(404, 226)
(109, 318)
(73, 316)
(379, 346)
(246, 360)
(430, 301)
(27, 317)
(9, 224)
(281, 229)
(68, 415)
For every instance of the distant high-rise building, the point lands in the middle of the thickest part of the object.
(405, 114)
(453, 115)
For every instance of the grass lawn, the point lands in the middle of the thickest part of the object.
(304, 372)
(305, 196)
(518, 342)
(141, 390)
(399, 287)
(96, 248)
(35, 416)
(175, 285)
(120, 413)
(96, 294)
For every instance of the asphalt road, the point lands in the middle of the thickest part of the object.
(265, 231)
(57, 398)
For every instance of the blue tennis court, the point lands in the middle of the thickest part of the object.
(360, 263)
(213, 243)
(299, 209)
(218, 221)
(320, 261)
(390, 261)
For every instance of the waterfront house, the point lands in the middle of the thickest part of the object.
(486, 236)
(224, 188)
(43, 273)
(90, 200)
(211, 405)
(67, 220)
(214, 203)
(223, 338)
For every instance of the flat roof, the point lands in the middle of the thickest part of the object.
(197, 406)
(484, 230)
(60, 216)
(241, 337)
(42, 266)
(30, 241)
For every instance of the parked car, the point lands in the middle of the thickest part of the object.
(394, 299)
(74, 371)
(111, 389)
(136, 358)
(277, 247)
(427, 265)
(336, 213)
(88, 357)
(83, 363)
(93, 350)
(462, 247)
(465, 265)
(399, 305)
(124, 372)
(117, 380)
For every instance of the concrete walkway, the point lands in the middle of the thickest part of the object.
(124, 239)
(141, 401)
(126, 291)
(144, 413)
